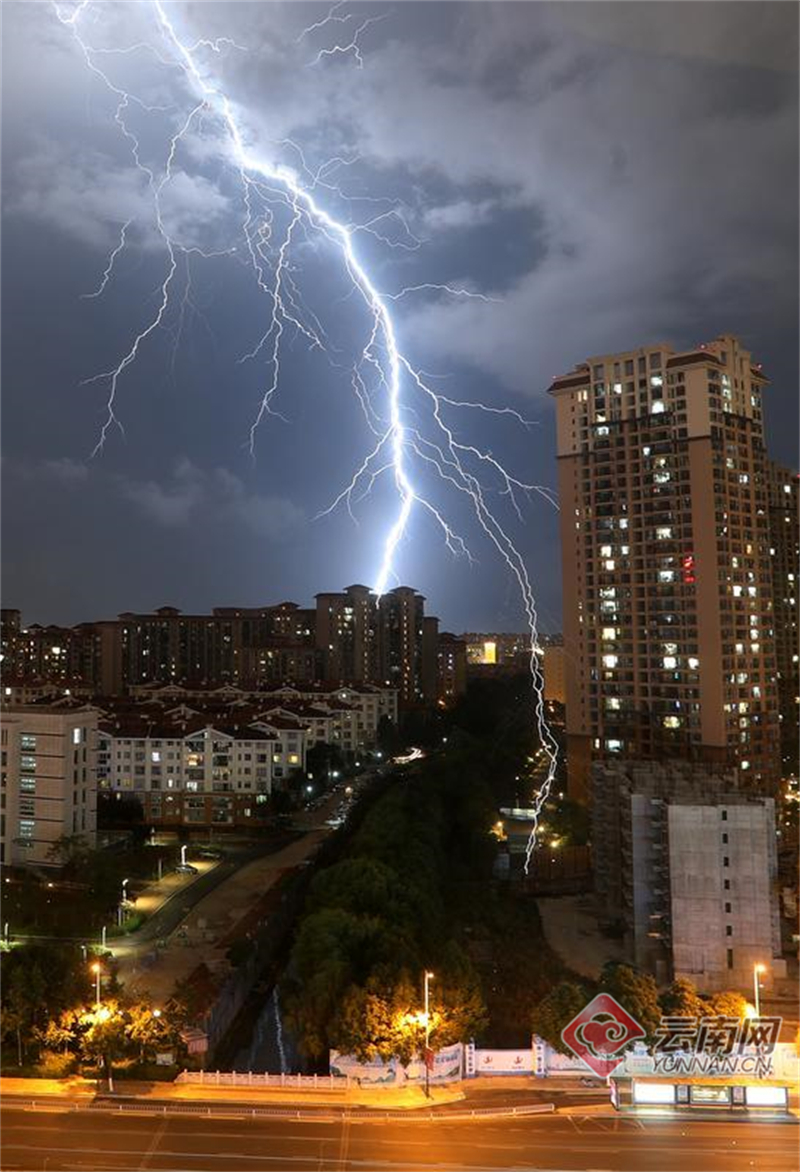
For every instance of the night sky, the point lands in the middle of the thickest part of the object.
(610, 175)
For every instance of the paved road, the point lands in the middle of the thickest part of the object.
(93, 1142)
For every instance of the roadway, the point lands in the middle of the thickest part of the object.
(92, 1141)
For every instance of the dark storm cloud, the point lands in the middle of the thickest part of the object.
(614, 173)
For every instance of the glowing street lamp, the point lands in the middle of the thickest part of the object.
(428, 979)
(96, 969)
(758, 969)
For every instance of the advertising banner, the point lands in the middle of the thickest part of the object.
(446, 1066)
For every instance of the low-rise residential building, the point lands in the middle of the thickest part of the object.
(184, 769)
(49, 780)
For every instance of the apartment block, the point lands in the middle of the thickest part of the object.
(349, 637)
(451, 668)
(686, 863)
(783, 494)
(49, 780)
(348, 634)
(669, 628)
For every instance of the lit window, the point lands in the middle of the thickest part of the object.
(76, 736)
(656, 381)
(609, 633)
(609, 564)
(663, 532)
(669, 661)
(666, 575)
(672, 722)
(658, 407)
(693, 662)
(610, 660)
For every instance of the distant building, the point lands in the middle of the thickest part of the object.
(505, 652)
(347, 633)
(49, 780)
(349, 637)
(686, 863)
(553, 669)
(402, 666)
(668, 621)
(783, 495)
(452, 667)
(184, 770)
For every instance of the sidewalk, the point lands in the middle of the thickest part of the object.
(384, 1098)
(153, 897)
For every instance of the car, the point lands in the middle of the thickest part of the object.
(209, 852)
(186, 869)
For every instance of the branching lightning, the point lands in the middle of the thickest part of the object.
(411, 422)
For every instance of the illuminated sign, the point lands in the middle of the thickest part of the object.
(688, 568)
(653, 1092)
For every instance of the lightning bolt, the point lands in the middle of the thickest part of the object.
(405, 414)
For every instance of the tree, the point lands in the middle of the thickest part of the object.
(726, 1004)
(556, 1010)
(635, 991)
(150, 1030)
(388, 738)
(681, 999)
(39, 981)
(103, 1036)
(323, 760)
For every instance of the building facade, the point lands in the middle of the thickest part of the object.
(783, 494)
(451, 668)
(686, 864)
(49, 780)
(668, 618)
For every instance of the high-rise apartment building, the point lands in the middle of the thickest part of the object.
(668, 621)
(783, 494)
(402, 614)
(347, 634)
(452, 667)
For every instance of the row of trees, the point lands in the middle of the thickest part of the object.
(375, 921)
(51, 1017)
(635, 991)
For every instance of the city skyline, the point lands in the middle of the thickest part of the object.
(183, 496)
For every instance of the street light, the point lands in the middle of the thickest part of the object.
(428, 979)
(758, 969)
(121, 908)
(96, 970)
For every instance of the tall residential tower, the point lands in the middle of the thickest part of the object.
(668, 620)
